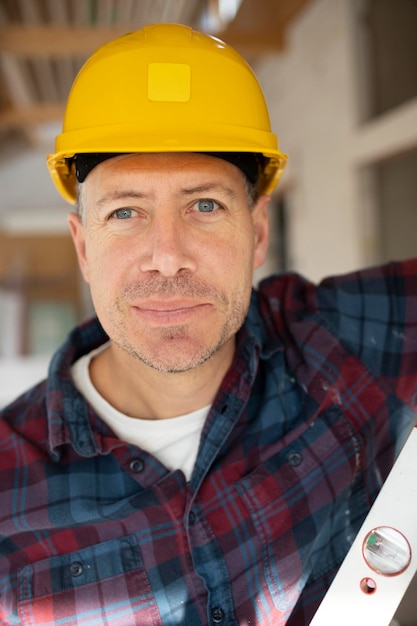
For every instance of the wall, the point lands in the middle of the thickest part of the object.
(18, 374)
(396, 182)
(41, 230)
(316, 104)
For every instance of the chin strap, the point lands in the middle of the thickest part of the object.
(382, 561)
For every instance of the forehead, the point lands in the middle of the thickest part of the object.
(167, 164)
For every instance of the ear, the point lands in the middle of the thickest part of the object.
(261, 230)
(78, 236)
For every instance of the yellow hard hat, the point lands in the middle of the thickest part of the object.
(165, 88)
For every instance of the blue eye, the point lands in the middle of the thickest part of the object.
(123, 214)
(206, 206)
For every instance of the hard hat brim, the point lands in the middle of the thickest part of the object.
(128, 139)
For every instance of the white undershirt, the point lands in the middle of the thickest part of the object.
(173, 441)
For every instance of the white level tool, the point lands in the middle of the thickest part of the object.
(382, 561)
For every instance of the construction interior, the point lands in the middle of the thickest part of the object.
(340, 80)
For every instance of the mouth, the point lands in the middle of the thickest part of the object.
(170, 312)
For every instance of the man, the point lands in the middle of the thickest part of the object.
(200, 453)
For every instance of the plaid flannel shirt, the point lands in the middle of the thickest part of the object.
(303, 431)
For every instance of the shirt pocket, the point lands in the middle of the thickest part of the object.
(102, 584)
(298, 501)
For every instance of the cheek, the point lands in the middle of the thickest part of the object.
(105, 264)
(241, 247)
(234, 261)
(227, 260)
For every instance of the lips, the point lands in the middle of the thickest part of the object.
(171, 312)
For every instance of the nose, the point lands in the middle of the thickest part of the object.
(167, 247)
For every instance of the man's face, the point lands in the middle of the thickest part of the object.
(168, 246)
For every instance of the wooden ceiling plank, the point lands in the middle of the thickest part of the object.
(42, 67)
(31, 115)
(57, 41)
(57, 10)
(151, 11)
(59, 14)
(29, 11)
(172, 11)
(3, 16)
(81, 12)
(20, 88)
(105, 13)
(63, 42)
(124, 11)
(45, 79)
(136, 14)
(65, 77)
(190, 12)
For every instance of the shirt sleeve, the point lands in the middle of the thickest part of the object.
(374, 314)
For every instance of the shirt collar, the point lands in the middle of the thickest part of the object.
(259, 327)
(69, 416)
(67, 411)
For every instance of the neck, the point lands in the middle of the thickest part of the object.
(137, 390)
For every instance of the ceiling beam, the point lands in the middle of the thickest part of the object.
(257, 28)
(62, 42)
(57, 41)
(31, 115)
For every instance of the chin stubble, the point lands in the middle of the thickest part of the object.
(184, 286)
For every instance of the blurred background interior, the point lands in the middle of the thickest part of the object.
(340, 79)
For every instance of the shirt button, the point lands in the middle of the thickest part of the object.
(294, 459)
(217, 615)
(137, 466)
(76, 568)
(191, 518)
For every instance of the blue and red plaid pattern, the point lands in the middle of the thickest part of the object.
(304, 429)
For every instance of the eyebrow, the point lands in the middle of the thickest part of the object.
(119, 195)
(208, 187)
(188, 191)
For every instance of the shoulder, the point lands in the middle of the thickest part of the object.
(388, 278)
(293, 292)
(24, 419)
